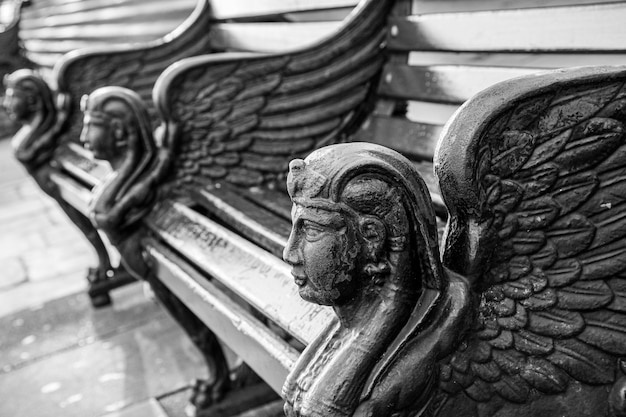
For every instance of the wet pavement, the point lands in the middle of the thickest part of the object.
(58, 355)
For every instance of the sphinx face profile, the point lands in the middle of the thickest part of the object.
(105, 125)
(97, 137)
(16, 104)
(323, 253)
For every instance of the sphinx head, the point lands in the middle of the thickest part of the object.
(362, 220)
(115, 123)
(26, 95)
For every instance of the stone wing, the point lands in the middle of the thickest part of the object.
(534, 174)
(134, 66)
(240, 118)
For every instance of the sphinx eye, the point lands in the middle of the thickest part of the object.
(312, 231)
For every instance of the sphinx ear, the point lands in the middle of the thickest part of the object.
(374, 234)
(117, 129)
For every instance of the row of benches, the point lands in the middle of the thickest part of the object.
(198, 206)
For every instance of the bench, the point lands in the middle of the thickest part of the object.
(48, 30)
(77, 47)
(203, 212)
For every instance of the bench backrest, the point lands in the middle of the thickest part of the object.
(50, 29)
(113, 59)
(443, 52)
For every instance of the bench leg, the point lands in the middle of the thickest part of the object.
(212, 390)
(103, 278)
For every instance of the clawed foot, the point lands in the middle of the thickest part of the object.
(205, 393)
(95, 275)
(98, 298)
(243, 376)
(102, 280)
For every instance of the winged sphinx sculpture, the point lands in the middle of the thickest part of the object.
(31, 103)
(54, 119)
(524, 314)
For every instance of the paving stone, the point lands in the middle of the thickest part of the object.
(9, 193)
(105, 376)
(29, 222)
(60, 234)
(21, 209)
(11, 168)
(14, 244)
(35, 294)
(29, 335)
(28, 189)
(12, 272)
(149, 408)
(52, 261)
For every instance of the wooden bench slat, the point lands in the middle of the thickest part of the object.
(442, 6)
(429, 112)
(232, 9)
(117, 32)
(318, 15)
(248, 337)
(443, 83)
(260, 226)
(274, 201)
(73, 192)
(129, 14)
(43, 9)
(253, 274)
(79, 162)
(270, 37)
(517, 60)
(416, 140)
(576, 28)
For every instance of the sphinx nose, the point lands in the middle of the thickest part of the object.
(291, 253)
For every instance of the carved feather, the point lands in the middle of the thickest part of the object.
(553, 288)
(134, 67)
(270, 109)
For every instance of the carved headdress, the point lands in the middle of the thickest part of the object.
(319, 180)
(29, 82)
(36, 141)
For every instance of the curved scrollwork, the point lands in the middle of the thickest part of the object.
(29, 101)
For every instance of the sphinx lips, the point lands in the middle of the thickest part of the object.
(300, 280)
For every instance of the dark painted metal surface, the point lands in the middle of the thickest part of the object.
(29, 101)
(523, 315)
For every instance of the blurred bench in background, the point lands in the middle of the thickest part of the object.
(76, 47)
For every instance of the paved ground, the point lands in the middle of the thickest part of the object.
(59, 356)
